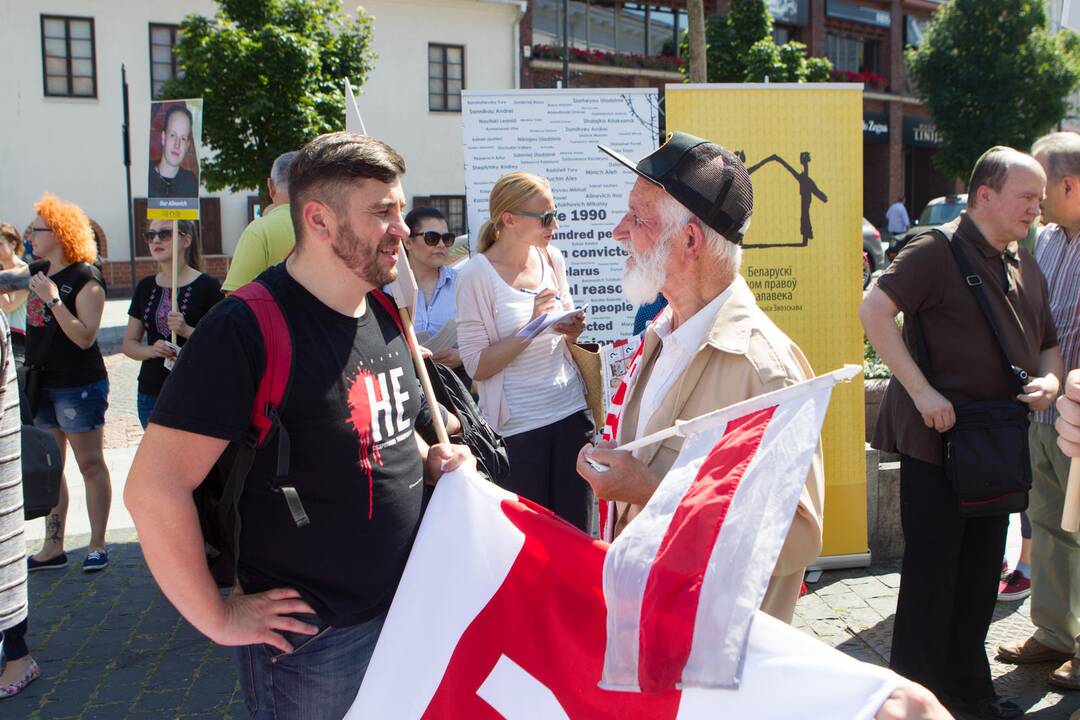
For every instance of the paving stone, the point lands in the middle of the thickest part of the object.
(110, 711)
(160, 702)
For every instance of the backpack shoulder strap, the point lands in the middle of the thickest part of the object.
(277, 342)
(274, 383)
(391, 307)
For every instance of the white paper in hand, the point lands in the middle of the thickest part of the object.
(542, 322)
(170, 362)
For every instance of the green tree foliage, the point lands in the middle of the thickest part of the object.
(784, 63)
(271, 74)
(991, 74)
(741, 49)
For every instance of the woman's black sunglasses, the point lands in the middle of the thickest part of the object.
(432, 238)
(163, 234)
(546, 218)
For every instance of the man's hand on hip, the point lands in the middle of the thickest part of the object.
(627, 479)
(260, 618)
(936, 411)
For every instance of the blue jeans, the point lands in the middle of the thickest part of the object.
(318, 680)
(145, 405)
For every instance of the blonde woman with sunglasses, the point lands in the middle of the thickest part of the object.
(530, 390)
(151, 317)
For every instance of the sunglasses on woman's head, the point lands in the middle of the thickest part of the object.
(545, 218)
(162, 235)
(432, 238)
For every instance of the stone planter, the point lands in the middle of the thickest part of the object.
(873, 391)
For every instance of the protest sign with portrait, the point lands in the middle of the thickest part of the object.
(173, 173)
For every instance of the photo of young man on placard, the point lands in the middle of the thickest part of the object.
(174, 166)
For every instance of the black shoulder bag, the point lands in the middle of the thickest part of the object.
(487, 445)
(986, 451)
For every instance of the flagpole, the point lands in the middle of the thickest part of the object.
(405, 291)
(425, 379)
(175, 242)
(688, 427)
(1070, 517)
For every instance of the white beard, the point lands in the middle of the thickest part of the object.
(642, 281)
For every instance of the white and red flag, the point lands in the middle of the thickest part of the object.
(505, 611)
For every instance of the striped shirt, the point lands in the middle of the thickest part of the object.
(1059, 260)
(13, 603)
(542, 384)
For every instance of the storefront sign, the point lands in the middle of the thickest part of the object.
(790, 12)
(875, 128)
(920, 132)
(843, 10)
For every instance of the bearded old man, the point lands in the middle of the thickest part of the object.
(711, 347)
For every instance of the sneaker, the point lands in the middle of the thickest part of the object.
(1015, 587)
(1005, 571)
(95, 560)
(54, 563)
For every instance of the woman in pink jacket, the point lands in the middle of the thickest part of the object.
(530, 391)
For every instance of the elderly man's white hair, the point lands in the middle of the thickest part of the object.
(279, 171)
(675, 215)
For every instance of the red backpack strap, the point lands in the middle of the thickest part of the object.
(391, 307)
(277, 343)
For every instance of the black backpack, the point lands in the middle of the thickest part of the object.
(217, 498)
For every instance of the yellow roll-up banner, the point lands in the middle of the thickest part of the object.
(802, 144)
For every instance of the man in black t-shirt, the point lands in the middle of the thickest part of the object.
(311, 600)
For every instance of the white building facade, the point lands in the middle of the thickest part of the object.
(60, 130)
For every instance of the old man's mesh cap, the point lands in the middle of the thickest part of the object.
(710, 181)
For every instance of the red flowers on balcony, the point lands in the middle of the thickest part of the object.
(603, 57)
(870, 79)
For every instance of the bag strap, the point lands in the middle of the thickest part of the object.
(1017, 375)
(391, 307)
(273, 385)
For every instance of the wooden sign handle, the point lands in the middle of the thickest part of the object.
(1070, 516)
(175, 245)
(425, 381)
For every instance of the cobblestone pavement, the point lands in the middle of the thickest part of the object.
(112, 647)
(852, 610)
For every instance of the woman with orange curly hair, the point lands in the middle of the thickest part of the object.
(67, 386)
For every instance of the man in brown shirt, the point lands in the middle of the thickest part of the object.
(951, 565)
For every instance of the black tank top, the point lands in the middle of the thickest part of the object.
(65, 363)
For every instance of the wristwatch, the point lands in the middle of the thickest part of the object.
(53, 303)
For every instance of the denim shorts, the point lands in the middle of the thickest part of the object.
(73, 409)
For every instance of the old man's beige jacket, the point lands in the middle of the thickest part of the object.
(743, 355)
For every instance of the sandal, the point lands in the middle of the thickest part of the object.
(32, 673)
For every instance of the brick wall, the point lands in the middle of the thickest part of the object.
(118, 273)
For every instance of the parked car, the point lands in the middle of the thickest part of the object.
(873, 252)
(938, 211)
